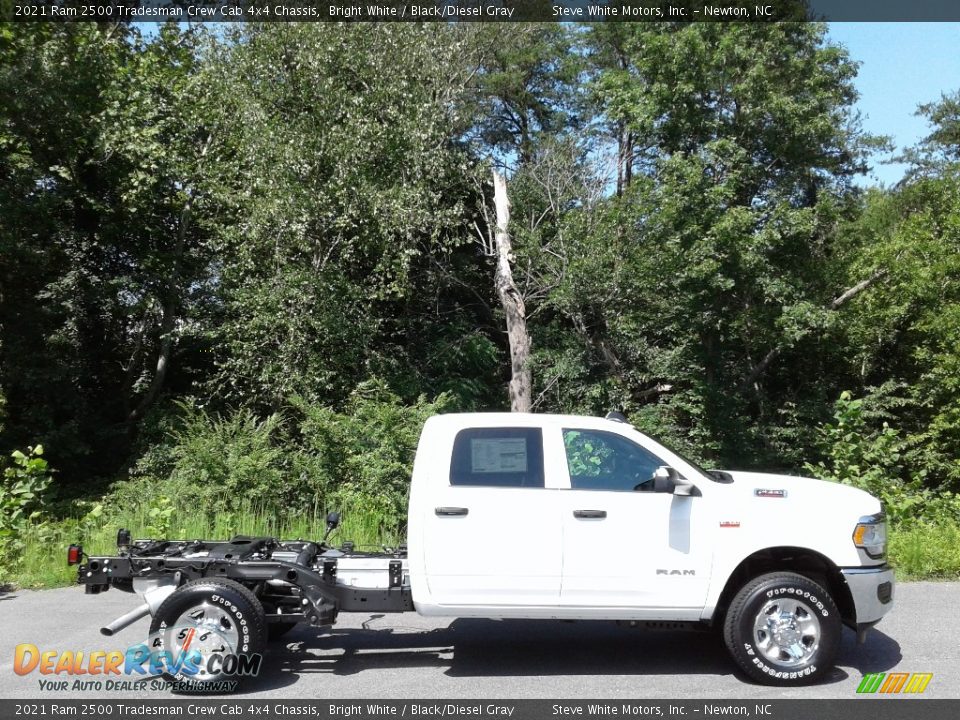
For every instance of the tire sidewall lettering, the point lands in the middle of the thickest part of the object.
(241, 621)
(797, 592)
(784, 674)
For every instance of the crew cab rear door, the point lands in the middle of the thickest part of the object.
(492, 529)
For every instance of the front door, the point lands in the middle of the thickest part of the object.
(625, 545)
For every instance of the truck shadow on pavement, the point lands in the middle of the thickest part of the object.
(878, 654)
(499, 648)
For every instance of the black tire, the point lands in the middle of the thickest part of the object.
(780, 610)
(278, 629)
(232, 622)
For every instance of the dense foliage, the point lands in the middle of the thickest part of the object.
(243, 265)
(24, 488)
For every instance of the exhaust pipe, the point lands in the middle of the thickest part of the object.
(125, 620)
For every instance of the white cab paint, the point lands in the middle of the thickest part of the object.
(521, 552)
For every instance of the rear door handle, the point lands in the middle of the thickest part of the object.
(451, 511)
(598, 514)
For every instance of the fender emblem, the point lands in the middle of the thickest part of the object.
(730, 523)
(762, 492)
(676, 572)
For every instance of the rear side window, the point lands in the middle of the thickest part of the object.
(498, 457)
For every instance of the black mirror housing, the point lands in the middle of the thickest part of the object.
(667, 480)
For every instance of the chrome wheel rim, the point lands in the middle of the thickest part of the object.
(209, 630)
(787, 632)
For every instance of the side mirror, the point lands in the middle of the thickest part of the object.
(333, 520)
(665, 479)
(668, 480)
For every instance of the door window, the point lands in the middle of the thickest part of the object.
(599, 460)
(498, 457)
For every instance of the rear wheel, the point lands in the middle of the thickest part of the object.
(208, 635)
(783, 629)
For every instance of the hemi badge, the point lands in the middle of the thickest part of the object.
(729, 523)
(770, 493)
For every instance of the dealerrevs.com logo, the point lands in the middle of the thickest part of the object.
(193, 658)
(893, 683)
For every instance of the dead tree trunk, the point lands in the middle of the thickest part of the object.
(521, 384)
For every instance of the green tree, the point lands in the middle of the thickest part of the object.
(349, 192)
(941, 148)
(703, 296)
(101, 231)
(526, 82)
(908, 331)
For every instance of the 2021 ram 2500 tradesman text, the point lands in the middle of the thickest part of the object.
(542, 516)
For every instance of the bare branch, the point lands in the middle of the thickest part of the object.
(656, 391)
(857, 289)
(553, 381)
(837, 303)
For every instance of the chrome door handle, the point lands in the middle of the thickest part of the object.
(451, 511)
(586, 514)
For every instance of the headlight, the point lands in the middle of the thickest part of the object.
(870, 535)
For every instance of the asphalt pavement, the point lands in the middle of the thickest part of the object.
(406, 656)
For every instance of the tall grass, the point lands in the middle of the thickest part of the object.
(926, 551)
(44, 561)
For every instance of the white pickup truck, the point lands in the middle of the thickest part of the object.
(539, 516)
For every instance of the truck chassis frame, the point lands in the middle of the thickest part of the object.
(296, 581)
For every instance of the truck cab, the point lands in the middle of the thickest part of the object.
(553, 516)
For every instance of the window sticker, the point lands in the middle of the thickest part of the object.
(498, 455)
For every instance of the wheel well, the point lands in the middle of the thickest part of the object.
(802, 561)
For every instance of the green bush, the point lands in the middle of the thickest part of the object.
(356, 459)
(24, 492)
(364, 454)
(221, 459)
(875, 459)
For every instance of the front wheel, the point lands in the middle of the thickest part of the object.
(783, 629)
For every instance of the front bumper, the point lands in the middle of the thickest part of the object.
(872, 591)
